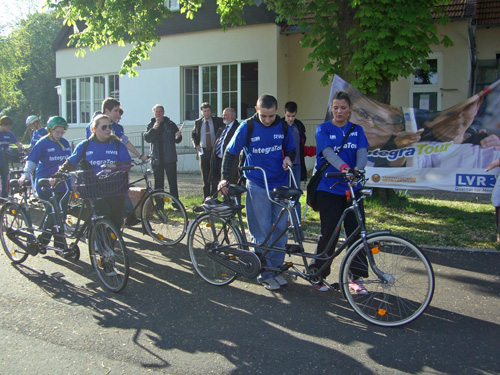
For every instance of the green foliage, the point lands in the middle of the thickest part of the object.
(27, 69)
(368, 42)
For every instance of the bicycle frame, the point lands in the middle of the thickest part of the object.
(357, 236)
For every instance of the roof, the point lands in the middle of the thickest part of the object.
(487, 13)
(484, 13)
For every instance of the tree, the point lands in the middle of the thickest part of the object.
(27, 69)
(368, 42)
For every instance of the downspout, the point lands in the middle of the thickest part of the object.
(473, 57)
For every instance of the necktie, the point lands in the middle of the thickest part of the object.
(208, 139)
(220, 142)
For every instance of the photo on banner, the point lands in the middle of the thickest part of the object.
(423, 149)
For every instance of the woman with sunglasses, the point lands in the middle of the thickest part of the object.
(102, 149)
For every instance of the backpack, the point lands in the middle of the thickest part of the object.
(242, 157)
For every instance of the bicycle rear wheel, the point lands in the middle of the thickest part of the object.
(164, 218)
(108, 255)
(13, 218)
(409, 284)
(204, 239)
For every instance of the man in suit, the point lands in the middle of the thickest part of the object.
(224, 135)
(203, 137)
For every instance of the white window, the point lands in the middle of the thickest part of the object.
(99, 92)
(173, 5)
(223, 85)
(84, 99)
(70, 114)
(425, 92)
(84, 96)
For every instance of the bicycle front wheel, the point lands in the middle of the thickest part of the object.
(13, 218)
(406, 290)
(108, 255)
(164, 218)
(204, 239)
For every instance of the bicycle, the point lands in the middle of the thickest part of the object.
(163, 216)
(401, 281)
(107, 250)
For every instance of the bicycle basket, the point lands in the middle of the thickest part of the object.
(106, 183)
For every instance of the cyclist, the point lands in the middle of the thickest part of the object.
(329, 138)
(272, 150)
(45, 158)
(102, 149)
(6, 138)
(37, 130)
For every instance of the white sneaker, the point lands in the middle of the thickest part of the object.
(269, 284)
(280, 280)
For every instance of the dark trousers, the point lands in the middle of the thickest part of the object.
(113, 208)
(171, 172)
(49, 223)
(209, 186)
(330, 210)
(4, 173)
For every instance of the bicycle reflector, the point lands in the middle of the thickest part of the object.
(375, 250)
(381, 312)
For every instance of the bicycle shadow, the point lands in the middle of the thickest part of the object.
(167, 308)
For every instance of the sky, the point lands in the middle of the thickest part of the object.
(12, 11)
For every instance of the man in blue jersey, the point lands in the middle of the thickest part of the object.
(272, 150)
(6, 138)
(37, 130)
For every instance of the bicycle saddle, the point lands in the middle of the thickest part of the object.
(236, 190)
(285, 192)
(15, 183)
(44, 182)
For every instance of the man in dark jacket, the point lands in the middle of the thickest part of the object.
(299, 136)
(163, 134)
(223, 137)
(203, 137)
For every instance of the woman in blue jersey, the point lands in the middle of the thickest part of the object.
(6, 138)
(353, 155)
(45, 158)
(102, 149)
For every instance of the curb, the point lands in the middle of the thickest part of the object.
(432, 248)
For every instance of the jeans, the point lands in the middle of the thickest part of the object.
(296, 170)
(261, 215)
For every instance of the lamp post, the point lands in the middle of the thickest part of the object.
(59, 94)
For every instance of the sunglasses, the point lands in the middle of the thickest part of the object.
(104, 127)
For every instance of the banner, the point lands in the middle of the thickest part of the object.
(423, 149)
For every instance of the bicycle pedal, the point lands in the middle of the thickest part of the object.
(293, 249)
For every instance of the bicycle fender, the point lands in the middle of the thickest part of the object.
(357, 243)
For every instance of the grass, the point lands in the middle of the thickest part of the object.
(424, 220)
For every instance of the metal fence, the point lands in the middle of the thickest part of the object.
(186, 146)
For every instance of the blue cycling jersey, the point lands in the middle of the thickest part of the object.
(6, 138)
(329, 135)
(264, 150)
(98, 153)
(48, 156)
(37, 135)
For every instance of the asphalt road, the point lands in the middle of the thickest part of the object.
(57, 319)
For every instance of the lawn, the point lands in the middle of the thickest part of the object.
(455, 223)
